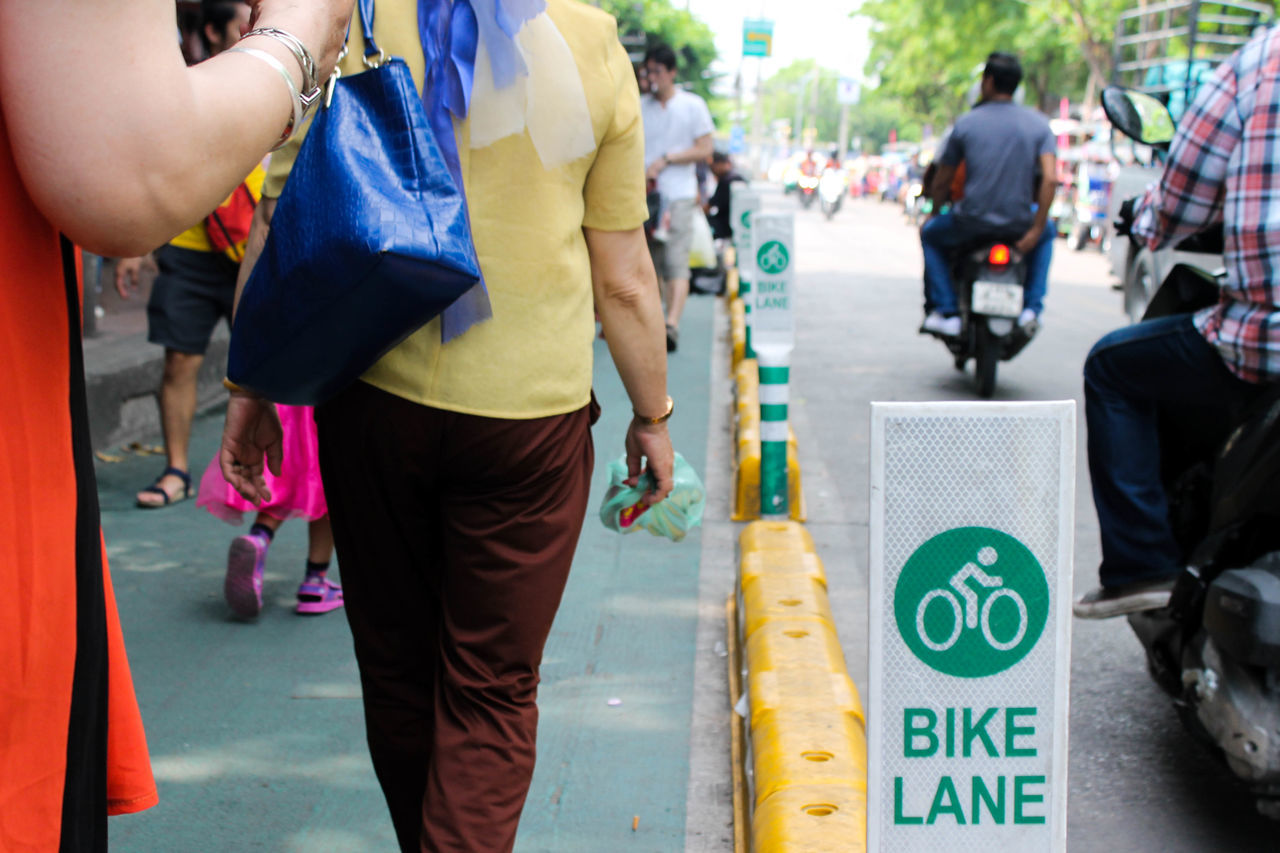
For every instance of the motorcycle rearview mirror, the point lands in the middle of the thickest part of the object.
(1138, 116)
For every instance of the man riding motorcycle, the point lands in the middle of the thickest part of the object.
(1002, 145)
(1209, 365)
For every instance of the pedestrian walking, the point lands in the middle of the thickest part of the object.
(677, 136)
(167, 145)
(458, 472)
(194, 288)
(297, 493)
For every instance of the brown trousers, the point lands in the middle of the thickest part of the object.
(454, 534)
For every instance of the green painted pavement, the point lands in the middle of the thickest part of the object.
(256, 730)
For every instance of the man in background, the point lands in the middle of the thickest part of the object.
(677, 135)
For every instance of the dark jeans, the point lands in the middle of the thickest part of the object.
(455, 534)
(1160, 365)
(943, 234)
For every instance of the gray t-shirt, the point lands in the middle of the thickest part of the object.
(1000, 144)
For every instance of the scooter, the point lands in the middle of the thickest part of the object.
(807, 186)
(831, 187)
(1215, 649)
(989, 277)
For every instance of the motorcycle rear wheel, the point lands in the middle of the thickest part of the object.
(985, 360)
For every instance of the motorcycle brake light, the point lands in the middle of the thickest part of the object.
(999, 255)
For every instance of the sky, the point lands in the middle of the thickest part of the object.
(802, 29)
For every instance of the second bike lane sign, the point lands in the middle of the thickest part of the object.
(972, 519)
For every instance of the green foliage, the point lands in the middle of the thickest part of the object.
(658, 21)
(927, 53)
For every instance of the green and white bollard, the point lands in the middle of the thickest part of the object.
(773, 242)
(775, 376)
(744, 204)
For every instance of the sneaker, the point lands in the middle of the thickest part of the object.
(673, 338)
(936, 324)
(1107, 601)
(1028, 317)
(245, 563)
(318, 594)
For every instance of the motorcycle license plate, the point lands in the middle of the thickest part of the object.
(997, 300)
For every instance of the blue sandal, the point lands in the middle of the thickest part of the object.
(168, 500)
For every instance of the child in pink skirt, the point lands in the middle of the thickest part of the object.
(296, 493)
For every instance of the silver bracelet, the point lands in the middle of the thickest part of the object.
(310, 81)
(296, 119)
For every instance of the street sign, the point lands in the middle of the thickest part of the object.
(743, 203)
(773, 251)
(847, 91)
(972, 524)
(737, 140)
(757, 37)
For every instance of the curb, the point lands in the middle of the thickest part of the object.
(800, 752)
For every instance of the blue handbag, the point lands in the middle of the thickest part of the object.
(370, 240)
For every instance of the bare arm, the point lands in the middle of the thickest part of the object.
(1044, 200)
(119, 143)
(702, 149)
(940, 189)
(626, 294)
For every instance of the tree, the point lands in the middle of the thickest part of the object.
(653, 22)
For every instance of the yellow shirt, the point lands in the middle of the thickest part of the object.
(533, 358)
(196, 237)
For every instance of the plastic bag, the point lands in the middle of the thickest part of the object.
(623, 510)
(702, 249)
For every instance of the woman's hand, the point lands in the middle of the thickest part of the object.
(321, 24)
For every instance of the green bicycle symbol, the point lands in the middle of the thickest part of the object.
(772, 257)
(980, 618)
(746, 219)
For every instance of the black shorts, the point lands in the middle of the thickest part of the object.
(192, 292)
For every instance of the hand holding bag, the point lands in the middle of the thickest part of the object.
(370, 240)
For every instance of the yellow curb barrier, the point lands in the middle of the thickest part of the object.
(773, 563)
(737, 731)
(806, 749)
(737, 333)
(817, 819)
(746, 472)
(768, 598)
(791, 644)
(805, 733)
(763, 536)
(731, 258)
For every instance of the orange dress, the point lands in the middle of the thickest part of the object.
(72, 749)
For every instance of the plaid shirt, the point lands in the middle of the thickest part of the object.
(1224, 165)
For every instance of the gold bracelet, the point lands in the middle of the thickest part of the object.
(662, 418)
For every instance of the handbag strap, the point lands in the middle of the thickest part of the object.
(365, 12)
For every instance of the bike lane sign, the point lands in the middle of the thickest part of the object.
(971, 559)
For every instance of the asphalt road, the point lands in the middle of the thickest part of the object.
(1138, 782)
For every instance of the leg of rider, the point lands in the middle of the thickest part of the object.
(937, 238)
(1127, 376)
(1038, 270)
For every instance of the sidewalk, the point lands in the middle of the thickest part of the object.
(256, 730)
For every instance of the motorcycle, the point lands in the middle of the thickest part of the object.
(831, 188)
(1215, 649)
(989, 276)
(807, 186)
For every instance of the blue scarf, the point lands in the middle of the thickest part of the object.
(451, 32)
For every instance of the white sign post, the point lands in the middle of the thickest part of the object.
(773, 331)
(744, 204)
(972, 519)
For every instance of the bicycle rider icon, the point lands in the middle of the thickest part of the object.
(971, 602)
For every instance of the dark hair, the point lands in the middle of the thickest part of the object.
(719, 156)
(219, 13)
(661, 54)
(1005, 72)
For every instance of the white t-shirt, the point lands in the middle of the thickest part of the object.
(672, 127)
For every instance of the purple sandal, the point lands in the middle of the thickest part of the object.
(317, 594)
(245, 563)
